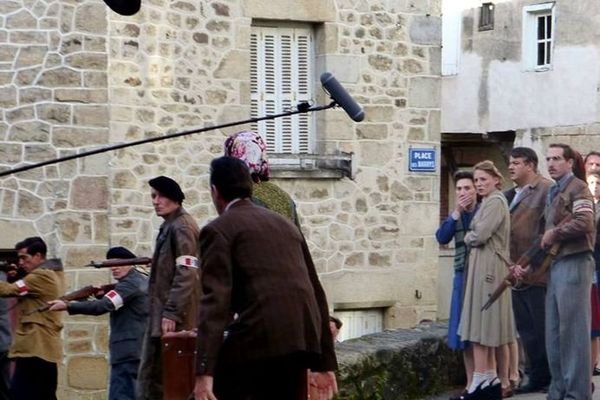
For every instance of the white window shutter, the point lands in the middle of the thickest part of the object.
(281, 75)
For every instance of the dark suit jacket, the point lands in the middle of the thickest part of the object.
(256, 264)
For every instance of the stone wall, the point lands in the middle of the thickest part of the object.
(74, 75)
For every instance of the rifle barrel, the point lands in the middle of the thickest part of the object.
(120, 262)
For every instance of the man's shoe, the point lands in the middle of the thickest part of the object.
(531, 388)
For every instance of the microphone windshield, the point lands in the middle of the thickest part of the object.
(124, 7)
(342, 97)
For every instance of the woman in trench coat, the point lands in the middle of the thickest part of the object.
(488, 240)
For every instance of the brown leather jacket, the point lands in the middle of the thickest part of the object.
(174, 286)
(579, 233)
(527, 218)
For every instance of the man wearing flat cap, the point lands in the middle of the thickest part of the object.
(174, 281)
(127, 304)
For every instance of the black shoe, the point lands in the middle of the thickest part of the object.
(531, 388)
(596, 371)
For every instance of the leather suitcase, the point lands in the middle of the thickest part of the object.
(179, 360)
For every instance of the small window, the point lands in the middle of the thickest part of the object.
(486, 17)
(538, 36)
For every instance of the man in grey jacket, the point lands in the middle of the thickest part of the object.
(127, 304)
(174, 282)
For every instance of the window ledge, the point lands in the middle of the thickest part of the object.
(310, 166)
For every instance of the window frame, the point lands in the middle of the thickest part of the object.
(300, 136)
(530, 42)
(486, 16)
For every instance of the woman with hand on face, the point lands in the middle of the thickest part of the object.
(488, 241)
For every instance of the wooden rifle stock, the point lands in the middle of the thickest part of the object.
(80, 294)
(120, 262)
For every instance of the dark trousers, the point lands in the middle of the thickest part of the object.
(4, 375)
(123, 378)
(270, 379)
(33, 378)
(529, 308)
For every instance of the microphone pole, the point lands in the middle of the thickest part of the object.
(300, 110)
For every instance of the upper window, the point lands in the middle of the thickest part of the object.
(486, 17)
(538, 36)
(281, 78)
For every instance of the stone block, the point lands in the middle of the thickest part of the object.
(78, 256)
(9, 6)
(39, 152)
(372, 131)
(380, 113)
(18, 229)
(29, 131)
(21, 20)
(28, 37)
(34, 95)
(426, 30)
(88, 61)
(79, 376)
(89, 193)
(78, 137)
(31, 56)
(74, 227)
(11, 153)
(20, 114)
(424, 92)
(60, 77)
(306, 10)
(347, 68)
(91, 116)
(8, 97)
(54, 113)
(6, 77)
(29, 205)
(96, 24)
(81, 95)
(234, 63)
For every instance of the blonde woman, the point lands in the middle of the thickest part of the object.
(488, 240)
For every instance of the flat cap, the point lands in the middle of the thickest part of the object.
(119, 252)
(124, 7)
(168, 188)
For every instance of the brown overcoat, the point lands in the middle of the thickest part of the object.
(256, 264)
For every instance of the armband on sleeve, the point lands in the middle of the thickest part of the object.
(187, 261)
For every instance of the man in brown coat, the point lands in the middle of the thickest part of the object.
(527, 202)
(173, 288)
(263, 314)
(37, 347)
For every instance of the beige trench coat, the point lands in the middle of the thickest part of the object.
(489, 235)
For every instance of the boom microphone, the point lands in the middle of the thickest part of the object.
(124, 7)
(342, 97)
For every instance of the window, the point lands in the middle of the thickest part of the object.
(538, 36)
(486, 17)
(281, 77)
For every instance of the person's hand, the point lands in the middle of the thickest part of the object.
(464, 201)
(167, 325)
(57, 305)
(548, 239)
(203, 389)
(325, 384)
(517, 271)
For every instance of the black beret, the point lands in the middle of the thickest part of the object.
(124, 7)
(168, 188)
(119, 252)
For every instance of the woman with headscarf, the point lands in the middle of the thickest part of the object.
(249, 147)
(488, 240)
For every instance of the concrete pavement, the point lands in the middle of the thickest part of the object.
(532, 396)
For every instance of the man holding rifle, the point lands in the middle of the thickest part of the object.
(527, 202)
(37, 347)
(174, 282)
(128, 307)
(569, 218)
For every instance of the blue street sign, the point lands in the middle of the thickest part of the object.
(422, 160)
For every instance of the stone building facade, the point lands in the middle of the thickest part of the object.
(517, 72)
(76, 76)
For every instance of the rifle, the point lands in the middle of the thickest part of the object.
(120, 262)
(13, 272)
(533, 256)
(79, 294)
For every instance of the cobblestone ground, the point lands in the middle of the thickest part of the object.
(533, 396)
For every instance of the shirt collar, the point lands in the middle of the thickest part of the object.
(232, 202)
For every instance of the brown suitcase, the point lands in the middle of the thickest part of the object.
(179, 361)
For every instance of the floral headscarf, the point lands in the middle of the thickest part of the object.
(249, 147)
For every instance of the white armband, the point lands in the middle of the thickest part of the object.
(115, 298)
(187, 261)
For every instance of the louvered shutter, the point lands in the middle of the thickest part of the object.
(281, 77)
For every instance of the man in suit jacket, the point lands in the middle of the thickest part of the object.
(260, 291)
(527, 201)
